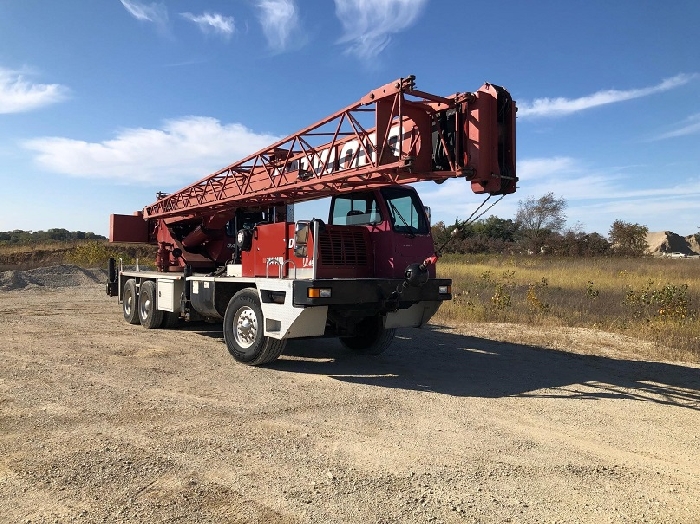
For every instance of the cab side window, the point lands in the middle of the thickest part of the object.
(406, 211)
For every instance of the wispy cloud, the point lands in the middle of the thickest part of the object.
(280, 21)
(154, 12)
(690, 126)
(597, 196)
(184, 150)
(369, 24)
(17, 95)
(677, 212)
(566, 176)
(547, 107)
(537, 168)
(216, 23)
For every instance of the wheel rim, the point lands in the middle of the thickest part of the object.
(145, 307)
(245, 327)
(128, 303)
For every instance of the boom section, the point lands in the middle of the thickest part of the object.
(395, 134)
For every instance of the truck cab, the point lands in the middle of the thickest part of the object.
(397, 224)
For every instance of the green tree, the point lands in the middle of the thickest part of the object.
(628, 239)
(579, 244)
(496, 228)
(540, 218)
(19, 236)
(441, 233)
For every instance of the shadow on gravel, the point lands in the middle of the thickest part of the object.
(210, 330)
(430, 360)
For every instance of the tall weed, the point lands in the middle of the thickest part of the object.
(631, 296)
(96, 253)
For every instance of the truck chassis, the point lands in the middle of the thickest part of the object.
(260, 314)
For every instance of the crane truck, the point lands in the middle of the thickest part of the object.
(229, 249)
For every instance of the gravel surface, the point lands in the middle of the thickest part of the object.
(102, 421)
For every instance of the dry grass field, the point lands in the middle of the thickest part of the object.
(654, 299)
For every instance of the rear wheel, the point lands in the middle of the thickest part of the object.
(170, 319)
(149, 315)
(244, 331)
(130, 301)
(373, 338)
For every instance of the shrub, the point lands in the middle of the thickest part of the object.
(96, 253)
(611, 293)
(667, 302)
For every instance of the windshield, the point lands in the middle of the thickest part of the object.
(406, 211)
(355, 209)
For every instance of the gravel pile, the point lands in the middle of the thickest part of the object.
(64, 275)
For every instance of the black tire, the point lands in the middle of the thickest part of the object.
(130, 302)
(374, 338)
(149, 315)
(244, 331)
(170, 319)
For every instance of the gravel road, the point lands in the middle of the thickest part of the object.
(102, 421)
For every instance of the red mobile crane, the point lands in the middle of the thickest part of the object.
(229, 248)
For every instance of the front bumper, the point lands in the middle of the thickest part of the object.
(370, 293)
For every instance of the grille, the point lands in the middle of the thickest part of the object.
(343, 247)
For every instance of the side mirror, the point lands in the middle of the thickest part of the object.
(301, 238)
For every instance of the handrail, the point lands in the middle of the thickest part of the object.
(274, 261)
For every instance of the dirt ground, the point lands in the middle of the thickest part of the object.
(102, 421)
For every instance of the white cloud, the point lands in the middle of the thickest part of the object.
(677, 213)
(454, 198)
(369, 24)
(541, 167)
(280, 21)
(183, 151)
(597, 196)
(224, 25)
(154, 12)
(545, 107)
(690, 126)
(17, 95)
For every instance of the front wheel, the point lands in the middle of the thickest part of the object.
(244, 331)
(373, 338)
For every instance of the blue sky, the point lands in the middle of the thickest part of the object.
(104, 103)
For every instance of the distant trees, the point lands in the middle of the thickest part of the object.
(628, 239)
(540, 228)
(579, 244)
(505, 230)
(491, 235)
(539, 218)
(19, 236)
